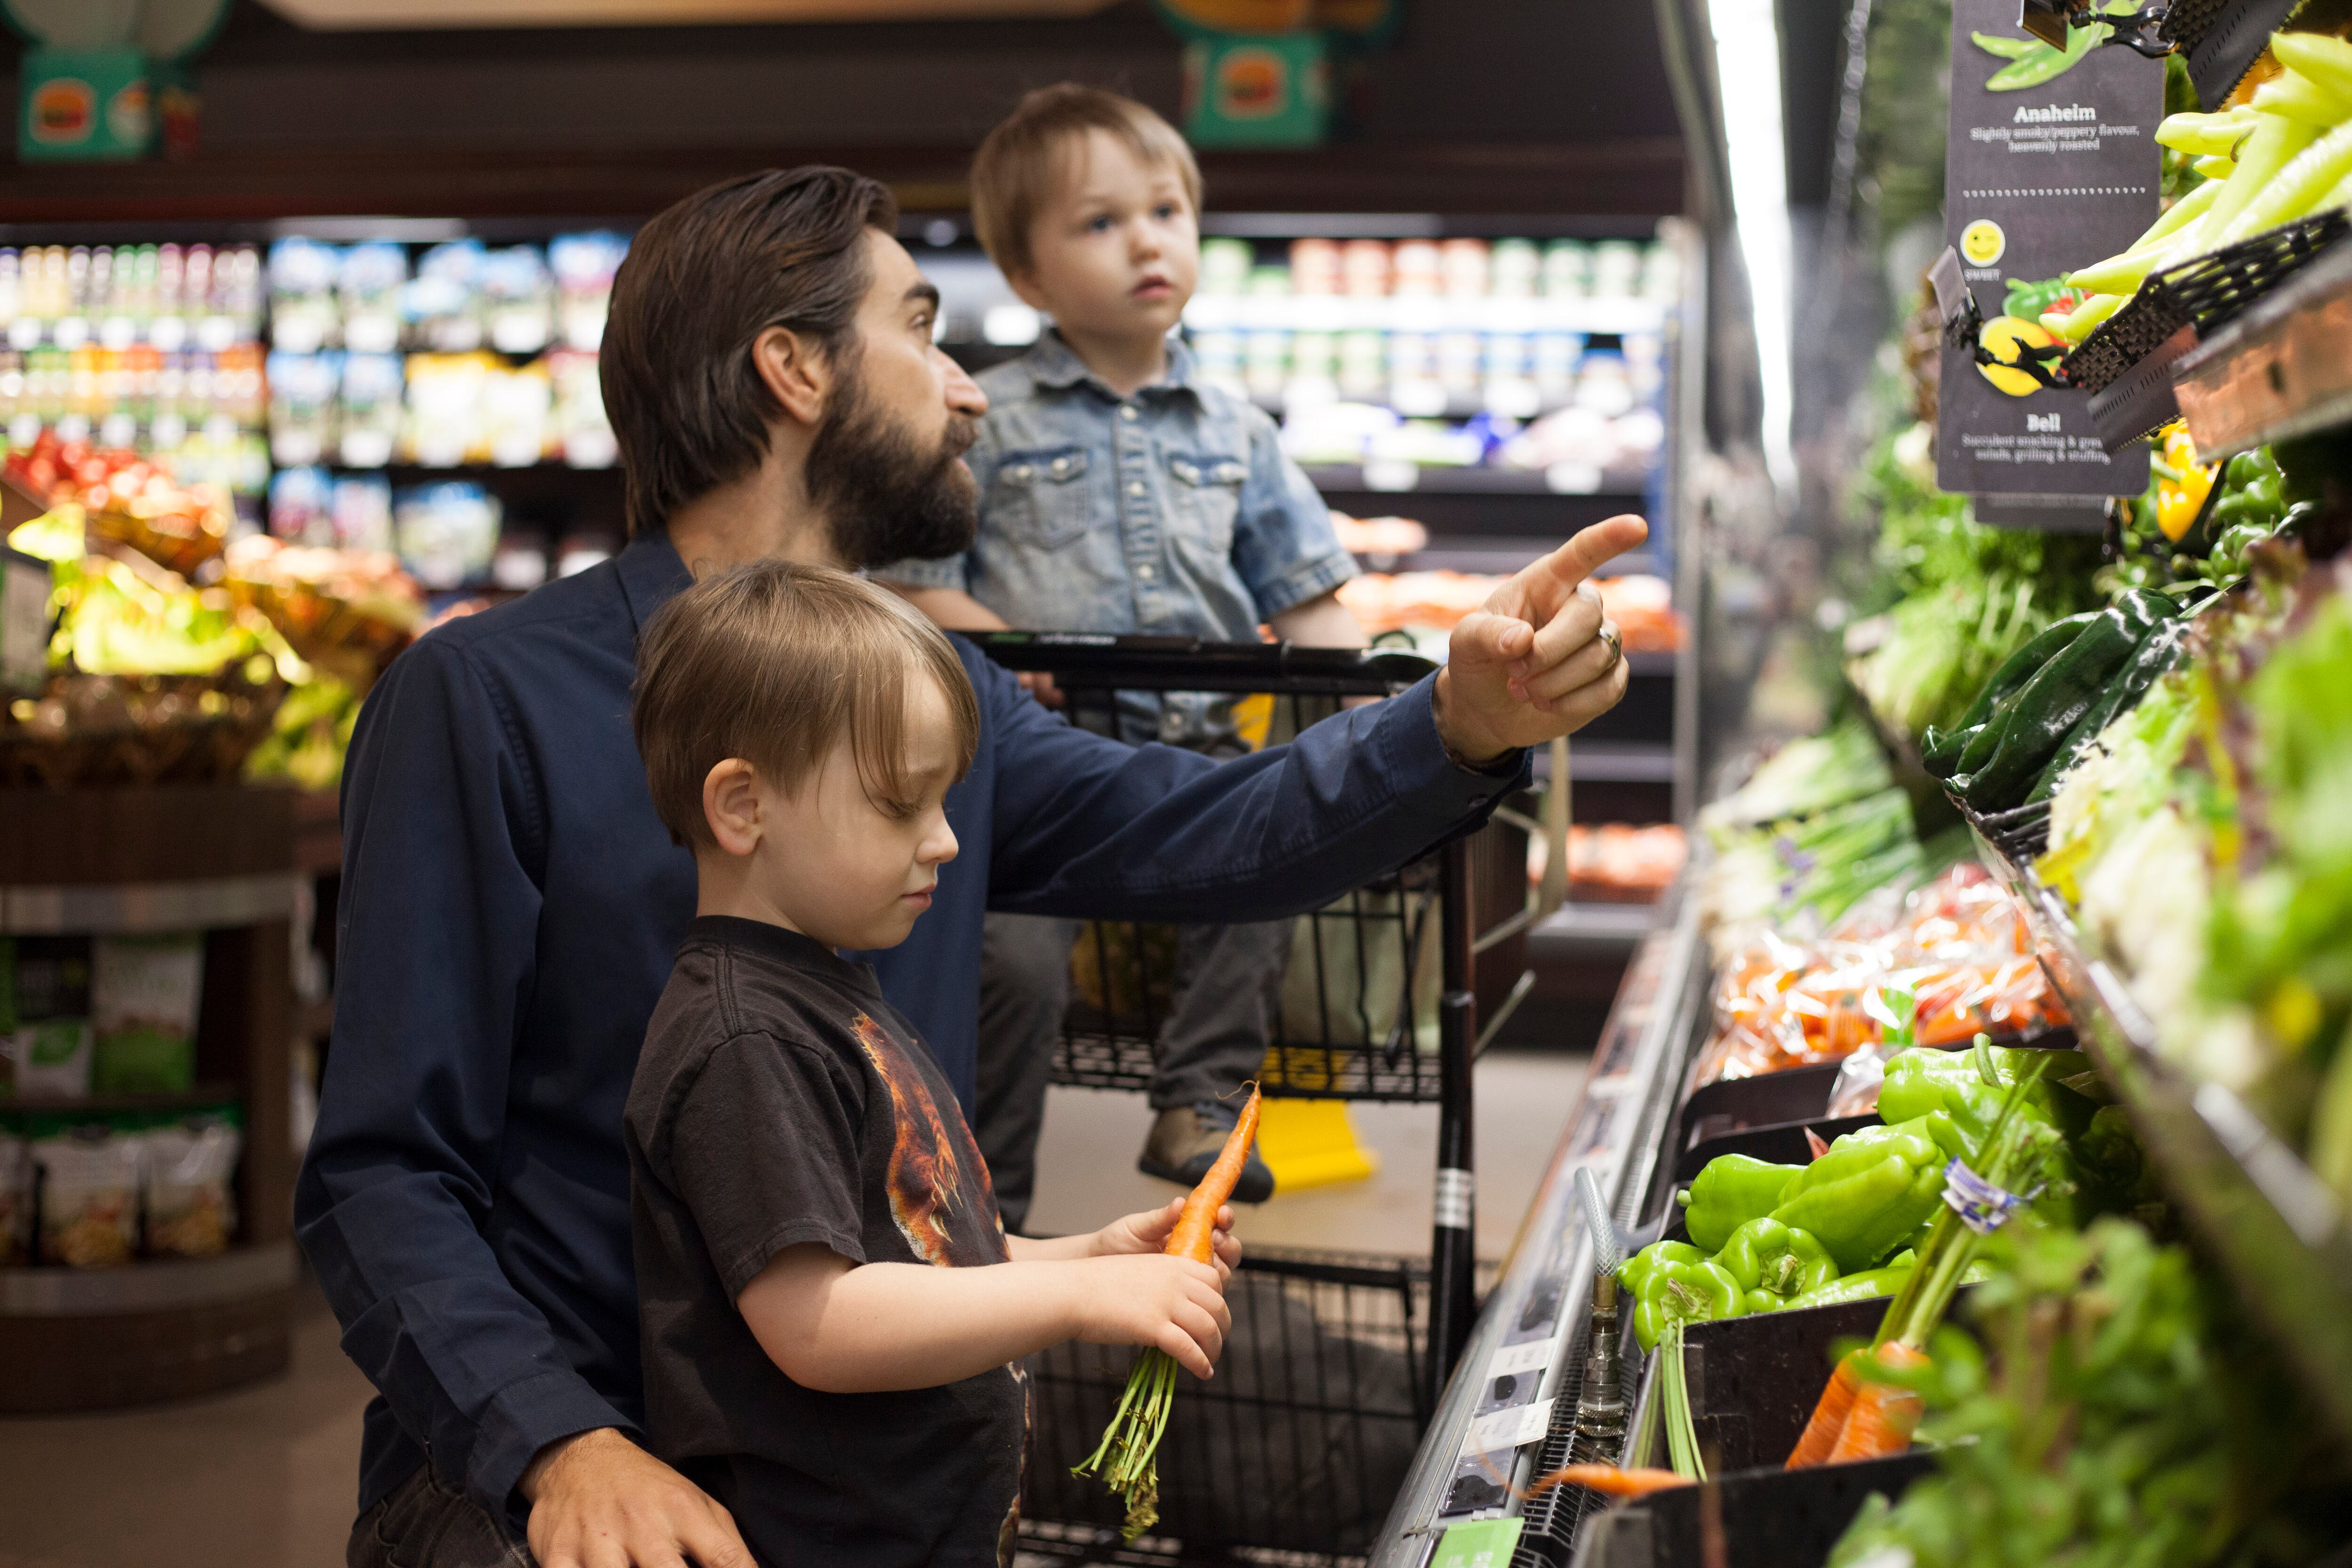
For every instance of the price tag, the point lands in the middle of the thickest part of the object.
(1478, 1543)
(1512, 1360)
(1509, 1429)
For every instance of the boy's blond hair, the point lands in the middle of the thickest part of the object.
(1017, 168)
(777, 663)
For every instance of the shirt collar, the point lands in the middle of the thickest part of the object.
(1052, 363)
(651, 575)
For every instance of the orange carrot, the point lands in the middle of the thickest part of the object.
(1829, 1415)
(1609, 1478)
(1197, 1225)
(1883, 1415)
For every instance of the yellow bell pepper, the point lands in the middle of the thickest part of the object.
(2181, 483)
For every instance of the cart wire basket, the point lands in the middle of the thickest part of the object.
(1290, 1454)
(1358, 1013)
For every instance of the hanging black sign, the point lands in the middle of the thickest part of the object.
(2052, 163)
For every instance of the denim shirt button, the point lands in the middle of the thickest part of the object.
(1136, 487)
(1147, 572)
(1126, 412)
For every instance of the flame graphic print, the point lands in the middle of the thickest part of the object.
(930, 1186)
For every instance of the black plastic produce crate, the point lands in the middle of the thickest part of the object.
(1291, 1454)
(2203, 293)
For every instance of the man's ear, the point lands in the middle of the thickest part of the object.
(796, 372)
(730, 805)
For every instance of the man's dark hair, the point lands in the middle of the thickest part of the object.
(702, 281)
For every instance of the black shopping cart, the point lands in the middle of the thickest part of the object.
(1294, 1450)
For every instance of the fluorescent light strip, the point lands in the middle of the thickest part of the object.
(1748, 68)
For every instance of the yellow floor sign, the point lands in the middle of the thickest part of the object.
(1311, 1143)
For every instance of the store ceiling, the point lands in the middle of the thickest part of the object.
(333, 14)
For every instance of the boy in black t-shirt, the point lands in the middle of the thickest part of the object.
(834, 1318)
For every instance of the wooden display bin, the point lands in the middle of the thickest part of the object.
(212, 857)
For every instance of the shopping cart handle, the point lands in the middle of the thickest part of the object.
(1198, 664)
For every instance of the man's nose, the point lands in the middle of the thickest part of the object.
(963, 394)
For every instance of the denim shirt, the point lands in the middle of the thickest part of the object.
(1172, 512)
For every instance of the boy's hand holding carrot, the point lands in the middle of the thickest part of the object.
(1173, 1305)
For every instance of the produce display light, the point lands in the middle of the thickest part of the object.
(1748, 68)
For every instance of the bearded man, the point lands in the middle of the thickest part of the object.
(510, 902)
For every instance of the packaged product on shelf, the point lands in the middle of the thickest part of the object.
(1463, 267)
(1514, 270)
(517, 299)
(361, 513)
(304, 316)
(1366, 267)
(1617, 265)
(89, 1186)
(583, 265)
(15, 1199)
(47, 1017)
(1417, 269)
(1314, 371)
(1379, 536)
(1567, 269)
(1315, 267)
(1225, 264)
(1615, 862)
(1554, 359)
(191, 1188)
(446, 533)
(517, 410)
(445, 425)
(1958, 947)
(1363, 366)
(1266, 363)
(303, 389)
(369, 418)
(442, 302)
(145, 992)
(302, 506)
(368, 287)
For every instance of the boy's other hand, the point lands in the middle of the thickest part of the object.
(1147, 1232)
(1172, 1304)
(1537, 662)
(598, 1500)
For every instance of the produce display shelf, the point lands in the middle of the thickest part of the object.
(151, 1286)
(1578, 930)
(2282, 370)
(1614, 762)
(125, 908)
(196, 1098)
(2272, 1224)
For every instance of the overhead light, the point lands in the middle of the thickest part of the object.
(349, 15)
(1748, 68)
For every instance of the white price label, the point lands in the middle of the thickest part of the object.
(1509, 1429)
(1512, 1360)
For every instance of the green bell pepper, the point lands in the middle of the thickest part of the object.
(1863, 1197)
(1732, 1190)
(1636, 1269)
(1683, 1292)
(1768, 1257)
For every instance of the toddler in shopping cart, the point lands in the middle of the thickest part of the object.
(1120, 492)
(832, 1318)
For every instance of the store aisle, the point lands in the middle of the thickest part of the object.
(263, 1477)
(1086, 1172)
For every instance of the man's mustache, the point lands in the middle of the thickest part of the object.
(962, 431)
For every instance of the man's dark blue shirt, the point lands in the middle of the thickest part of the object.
(510, 908)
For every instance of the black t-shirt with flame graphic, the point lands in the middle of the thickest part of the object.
(781, 1101)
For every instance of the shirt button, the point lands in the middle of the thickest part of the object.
(1126, 412)
(1147, 572)
(1135, 488)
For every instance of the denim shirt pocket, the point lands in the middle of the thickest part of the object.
(1041, 498)
(1208, 497)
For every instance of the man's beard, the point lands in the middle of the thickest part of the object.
(886, 497)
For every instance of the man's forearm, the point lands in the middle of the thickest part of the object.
(880, 1327)
(1320, 622)
(950, 607)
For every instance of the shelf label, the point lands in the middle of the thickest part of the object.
(1512, 1360)
(1478, 1543)
(2050, 164)
(1509, 1429)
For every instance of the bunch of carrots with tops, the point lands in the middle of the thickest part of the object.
(1130, 1444)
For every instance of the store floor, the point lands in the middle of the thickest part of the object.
(264, 1477)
